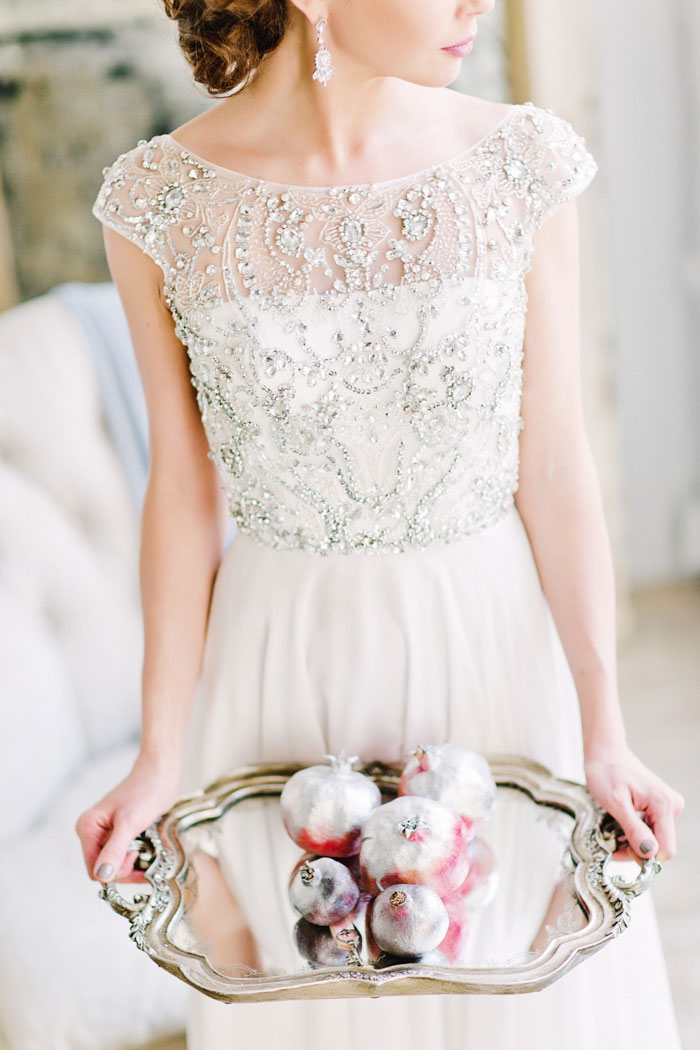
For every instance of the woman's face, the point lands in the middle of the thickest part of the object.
(402, 38)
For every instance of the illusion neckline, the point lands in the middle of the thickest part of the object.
(409, 177)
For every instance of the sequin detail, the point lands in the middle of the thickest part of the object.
(356, 351)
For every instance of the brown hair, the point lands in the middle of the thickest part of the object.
(224, 40)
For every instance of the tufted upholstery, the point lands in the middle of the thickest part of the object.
(70, 665)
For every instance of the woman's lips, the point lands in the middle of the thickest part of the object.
(460, 50)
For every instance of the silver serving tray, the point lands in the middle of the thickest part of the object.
(558, 902)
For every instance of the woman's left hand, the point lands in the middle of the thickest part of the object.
(642, 803)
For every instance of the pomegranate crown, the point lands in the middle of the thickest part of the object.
(307, 873)
(411, 824)
(341, 761)
(428, 756)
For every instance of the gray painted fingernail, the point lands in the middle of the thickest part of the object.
(104, 871)
(646, 846)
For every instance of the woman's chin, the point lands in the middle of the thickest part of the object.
(440, 78)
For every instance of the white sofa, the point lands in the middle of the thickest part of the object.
(70, 663)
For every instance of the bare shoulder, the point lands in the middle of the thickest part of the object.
(472, 117)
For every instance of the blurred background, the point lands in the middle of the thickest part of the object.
(81, 82)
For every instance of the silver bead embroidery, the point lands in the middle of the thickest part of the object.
(356, 351)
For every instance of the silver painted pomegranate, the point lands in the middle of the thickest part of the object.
(407, 919)
(351, 863)
(454, 775)
(480, 886)
(454, 943)
(477, 890)
(323, 891)
(416, 840)
(317, 946)
(323, 807)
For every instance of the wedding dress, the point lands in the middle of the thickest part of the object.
(357, 356)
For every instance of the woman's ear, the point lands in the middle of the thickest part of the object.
(312, 10)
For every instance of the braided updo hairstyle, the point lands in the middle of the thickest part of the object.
(224, 40)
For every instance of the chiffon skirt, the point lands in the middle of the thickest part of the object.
(377, 653)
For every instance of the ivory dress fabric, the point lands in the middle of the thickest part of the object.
(357, 357)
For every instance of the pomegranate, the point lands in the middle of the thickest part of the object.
(456, 776)
(316, 945)
(480, 886)
(455, 940)
(415, 840)
(351, 863)
(323, 807)
(408, 920)
(323, 891)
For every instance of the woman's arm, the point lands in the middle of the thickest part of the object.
(183, 529)
(184, 519)
(560, 502)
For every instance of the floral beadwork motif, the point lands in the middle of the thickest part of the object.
(356, 351)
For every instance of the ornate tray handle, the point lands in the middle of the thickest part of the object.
(158, 863)
(608, 832)
(595, 836)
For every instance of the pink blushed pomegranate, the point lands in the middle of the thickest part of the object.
(477, 890)
(323, 808)
(480, 886)
(454, 943)
(454, 775)
(413, 840)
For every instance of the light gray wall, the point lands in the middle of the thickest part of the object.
(647, 65)
(72, 97)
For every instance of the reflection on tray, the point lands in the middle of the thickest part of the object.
(219, 917)
(238, 896)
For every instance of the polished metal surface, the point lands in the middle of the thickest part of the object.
(578, 901)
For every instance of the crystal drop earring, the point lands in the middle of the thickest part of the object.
(324, 67)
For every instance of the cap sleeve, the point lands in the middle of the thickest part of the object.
(140, 199)
(560, 165)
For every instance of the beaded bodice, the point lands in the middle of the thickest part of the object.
(356, 351)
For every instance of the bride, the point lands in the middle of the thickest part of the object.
(353, 295)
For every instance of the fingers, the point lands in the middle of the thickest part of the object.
(661, 814)
(105, 843)
(650, 830)
(127, 872)
(93, 828)
(624, 853)
(638, 834)
(111, 858)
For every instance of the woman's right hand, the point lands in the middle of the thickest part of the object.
(106, 829)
